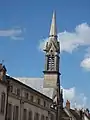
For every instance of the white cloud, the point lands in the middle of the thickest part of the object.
(15, 34)
(85, 63)
(69, 93)
(76, 100)
(72, 40)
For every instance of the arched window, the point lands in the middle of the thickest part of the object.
(36, 116)
(46, 118)
(15, 112)
(9, 112)
(52, 117)
(2, 102)
(25, 114)
(51, 62)
(30, 115)
(42, 117)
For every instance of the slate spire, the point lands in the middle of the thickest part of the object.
(53, 30)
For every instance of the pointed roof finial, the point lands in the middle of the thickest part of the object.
(53, 31)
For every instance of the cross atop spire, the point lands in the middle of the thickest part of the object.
(53, 31)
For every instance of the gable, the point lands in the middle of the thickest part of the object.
(52, 44)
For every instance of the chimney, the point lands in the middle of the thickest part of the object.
(68, 104)
(81, 114)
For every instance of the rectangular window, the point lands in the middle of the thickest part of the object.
(38, 101)
(2, 102)
(15, 112)
(44, 103)
(26, 95)
(25, 114)
(18, 92)
(11, 88)
(31, 98)
(9, 112)
(15, 90)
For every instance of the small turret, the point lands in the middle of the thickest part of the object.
(2, 71)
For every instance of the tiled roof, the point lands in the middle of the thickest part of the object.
(88, 116)
(37, 84)
(34, 90)
(64, 115)
(75, 114)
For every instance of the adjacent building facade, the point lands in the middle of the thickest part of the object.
(25, 103)
(21, 102)
(3, 99)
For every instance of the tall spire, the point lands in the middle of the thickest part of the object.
(53, 31)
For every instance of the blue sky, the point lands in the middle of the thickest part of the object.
(25, 23)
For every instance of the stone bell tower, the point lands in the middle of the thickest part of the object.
(52, 50)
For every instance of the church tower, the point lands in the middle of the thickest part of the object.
(52, 50)
(51, 72)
